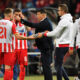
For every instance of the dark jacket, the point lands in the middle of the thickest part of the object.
(45, 42)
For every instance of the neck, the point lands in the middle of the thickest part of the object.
(64, 14)
(43, 18)
(7, 18)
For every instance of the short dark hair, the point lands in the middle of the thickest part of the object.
(17, 10)
(64, 7)
(8, 10)
(41, 10)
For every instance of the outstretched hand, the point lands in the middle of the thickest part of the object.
(71, 51)
(31, 37)
(22, 16)
(40, 35)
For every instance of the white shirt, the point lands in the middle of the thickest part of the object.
(62, 31)
(76, 33)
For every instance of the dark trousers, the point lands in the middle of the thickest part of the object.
(59, 56)
(46, 55)
(78, 51)
(78, 69)
(15, 72)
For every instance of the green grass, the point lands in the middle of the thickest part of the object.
(39, 77)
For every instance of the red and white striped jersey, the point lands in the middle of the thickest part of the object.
(7, 29)
(20, 44)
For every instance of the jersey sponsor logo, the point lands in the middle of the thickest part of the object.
(21, 31)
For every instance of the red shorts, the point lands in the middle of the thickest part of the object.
(21, 56)
(7, 58)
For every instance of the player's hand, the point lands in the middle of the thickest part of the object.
(21, 15)
(31, 37)
(46, 31)
(40, 35)
(71, 51)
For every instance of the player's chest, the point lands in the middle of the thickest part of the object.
(20, 29)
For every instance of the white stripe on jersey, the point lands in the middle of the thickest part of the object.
(7, 28)
(20, 44)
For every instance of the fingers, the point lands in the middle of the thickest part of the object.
(71, 52)
(46, 31)
(22, 16)
(40, 35)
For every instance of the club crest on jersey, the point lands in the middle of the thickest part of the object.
(21, 31)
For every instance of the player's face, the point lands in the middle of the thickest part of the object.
(16, 15)
(60, 11)
(39, 16)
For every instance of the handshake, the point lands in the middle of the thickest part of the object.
(38, 35)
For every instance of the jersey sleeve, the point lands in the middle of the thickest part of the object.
(14, 29)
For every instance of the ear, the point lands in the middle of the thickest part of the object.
(9, 15)
(44, 14)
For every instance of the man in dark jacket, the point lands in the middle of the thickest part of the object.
(45, 44)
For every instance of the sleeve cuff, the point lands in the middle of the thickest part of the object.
(71, 48)
(45, 34)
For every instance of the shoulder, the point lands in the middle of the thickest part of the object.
(8, 22)
(62, 21)
(77, 21)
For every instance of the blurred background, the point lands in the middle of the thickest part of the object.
(28, 8)
(74, 5)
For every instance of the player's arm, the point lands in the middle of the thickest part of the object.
(20, 37)
(25, 22)
(73, 33)
(60, 27)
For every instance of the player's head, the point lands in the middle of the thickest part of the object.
(41, 14)
(8, 13)
(62, 9)
(17, 13)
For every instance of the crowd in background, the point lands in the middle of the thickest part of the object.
(74, 5)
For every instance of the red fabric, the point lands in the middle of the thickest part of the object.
(71, 48)
(4, 47)
(14, 28)
(1, 58)
(22, 72)
(21, 55)
(7, 74)
(7, 58)
(76, 47)
(12, 72)
(21, 42)
(45, 34)
(63, 45)
(0, 47)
